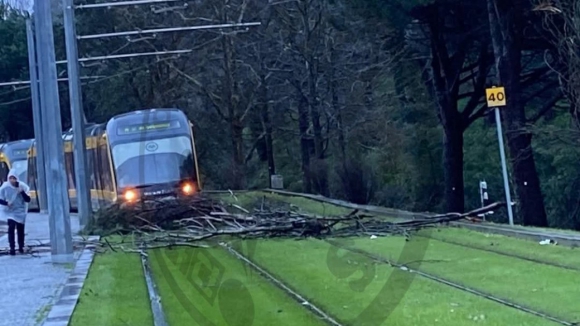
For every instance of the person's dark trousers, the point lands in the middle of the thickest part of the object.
(19, 228)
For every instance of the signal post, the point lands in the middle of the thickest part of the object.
(496, 98)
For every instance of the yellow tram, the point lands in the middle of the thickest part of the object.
(145, 153)
(14, 155)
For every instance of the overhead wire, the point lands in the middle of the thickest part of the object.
(139, 32)
(28, 98)
(177, 55)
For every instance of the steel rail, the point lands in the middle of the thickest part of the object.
(452, 284)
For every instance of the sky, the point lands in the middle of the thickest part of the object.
(20, 4)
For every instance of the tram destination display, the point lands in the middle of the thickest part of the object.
(147, 127)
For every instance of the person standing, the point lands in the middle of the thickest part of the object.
(15, 197)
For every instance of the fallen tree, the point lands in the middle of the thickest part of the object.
(185, 221)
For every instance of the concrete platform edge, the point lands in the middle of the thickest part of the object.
(61, 312)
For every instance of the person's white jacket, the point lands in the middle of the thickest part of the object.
(14, 204)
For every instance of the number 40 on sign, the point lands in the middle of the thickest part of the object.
(495, 96)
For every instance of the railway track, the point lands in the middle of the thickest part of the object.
(438, 279)
(327, 318)
(518, 232)
(499, 252)
(569, 240)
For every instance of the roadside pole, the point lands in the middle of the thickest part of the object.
(78, 118)
(57, 190)
(496, 98)
(37, 120)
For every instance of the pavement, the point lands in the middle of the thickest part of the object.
(30, 285)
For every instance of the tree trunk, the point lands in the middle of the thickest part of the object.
(267, 126)
(238, 168)
(506, 32)
(453, 167)
(336, 106)
(321, 178)
(304, 145)
(446, 72)
(233, 116)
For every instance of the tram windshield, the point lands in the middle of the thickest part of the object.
(153, 162)
(21, 169)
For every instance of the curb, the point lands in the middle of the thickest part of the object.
(61, 312)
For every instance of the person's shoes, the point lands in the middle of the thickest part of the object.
(20, 250)
(12, 252)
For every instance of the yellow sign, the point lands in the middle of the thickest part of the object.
(495, 96)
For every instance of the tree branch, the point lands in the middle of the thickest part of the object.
(215, 99)
(547, 107)
(478, 92)
(541, 91)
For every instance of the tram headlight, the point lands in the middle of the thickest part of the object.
(130, 195)
(187, 189)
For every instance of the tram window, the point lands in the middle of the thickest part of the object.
(4, 171)
(70, 168)
(31, 181)
(105, 169)
(97, 167)
(102, 168)
(91, 167)
(188, 166)
(152, 169)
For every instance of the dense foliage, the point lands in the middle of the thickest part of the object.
(377, 101)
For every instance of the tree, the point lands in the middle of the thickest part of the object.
(506, 25)
(459, 62)
(15, 106)
(560, 21)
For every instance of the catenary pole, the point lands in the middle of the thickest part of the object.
(37, 120)
(57, 194)
(77, 115)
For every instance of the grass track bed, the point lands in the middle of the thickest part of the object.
(114, 293)
(543, 288)
(193, 293)
(250, 199)
(358, 291)
(558, 255)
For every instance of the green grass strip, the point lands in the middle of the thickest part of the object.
(212, 287)
(360, 292)
(522, 247)
(565, 256)
(114, 293)
(541, 287)
(250, 200)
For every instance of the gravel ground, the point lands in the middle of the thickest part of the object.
(30, 285)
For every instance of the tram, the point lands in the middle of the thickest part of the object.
(153, 154)
(98, 169)
(136, 155)
(13, 155)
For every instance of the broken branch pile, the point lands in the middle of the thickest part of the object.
(201, 218)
